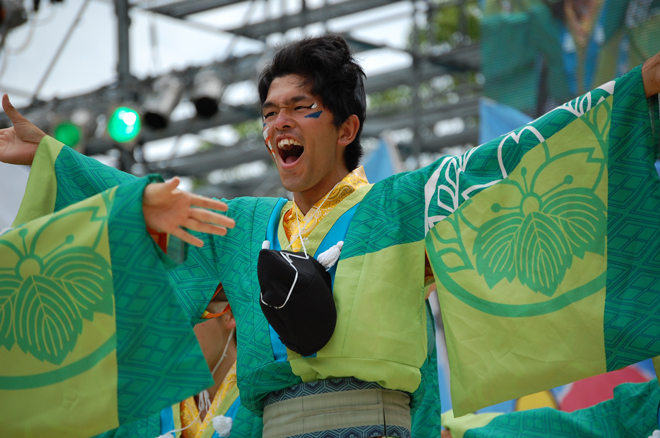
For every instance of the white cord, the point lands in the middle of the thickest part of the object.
(300, 230)
(224, 353)
(287, 257)
(204, 399)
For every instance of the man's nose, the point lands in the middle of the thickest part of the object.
(283, 120)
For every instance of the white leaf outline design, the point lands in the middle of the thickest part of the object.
(578, 107)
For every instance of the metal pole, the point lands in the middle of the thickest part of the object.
(59, 50)
(416, 104)
(123, 58)
(462, 21)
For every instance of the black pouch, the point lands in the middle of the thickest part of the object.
(296, 299)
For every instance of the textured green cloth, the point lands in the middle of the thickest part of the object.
(632, 413)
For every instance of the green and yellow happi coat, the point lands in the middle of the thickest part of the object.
(91, 333)
(542, 244)
(550, 275)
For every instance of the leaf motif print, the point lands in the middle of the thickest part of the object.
(47, 324)
(52, 280)
(543, 254)
(85, 276)
(582, 216)
(554, 206)
(494, 247)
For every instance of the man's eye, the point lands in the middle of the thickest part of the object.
(270, 114)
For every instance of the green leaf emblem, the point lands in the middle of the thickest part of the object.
(542, 253)
(537, 240)
(495, 248)
(46, 322)
(50, 283)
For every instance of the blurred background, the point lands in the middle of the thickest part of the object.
(168, 86)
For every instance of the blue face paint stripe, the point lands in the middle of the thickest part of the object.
(315, 115)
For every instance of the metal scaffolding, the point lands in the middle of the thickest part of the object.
(420, 116)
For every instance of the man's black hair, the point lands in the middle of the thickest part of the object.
(327, 63)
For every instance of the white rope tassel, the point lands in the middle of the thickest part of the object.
(222, 425)
(656, 434)
(265, 245)
(329, 258)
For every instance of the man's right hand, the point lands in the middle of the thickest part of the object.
(18, 145)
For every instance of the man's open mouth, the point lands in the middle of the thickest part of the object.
(290, 150)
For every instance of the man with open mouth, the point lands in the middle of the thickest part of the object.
(328, 290)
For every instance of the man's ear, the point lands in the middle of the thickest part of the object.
(348, 130)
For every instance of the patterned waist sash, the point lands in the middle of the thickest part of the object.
(337, 408)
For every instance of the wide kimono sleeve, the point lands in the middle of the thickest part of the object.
(92, 335)
(545, 248)
(61, 176)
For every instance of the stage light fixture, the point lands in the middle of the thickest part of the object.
(68, 133)
(206, 92)
(124, 124)
(12, 13)
(75, 130)
(164, 97)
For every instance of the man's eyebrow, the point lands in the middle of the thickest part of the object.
(294, 99)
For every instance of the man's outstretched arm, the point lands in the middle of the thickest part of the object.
(578, 162)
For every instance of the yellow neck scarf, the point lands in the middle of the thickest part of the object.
(298, 225)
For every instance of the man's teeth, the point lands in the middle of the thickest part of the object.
(287, 144)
